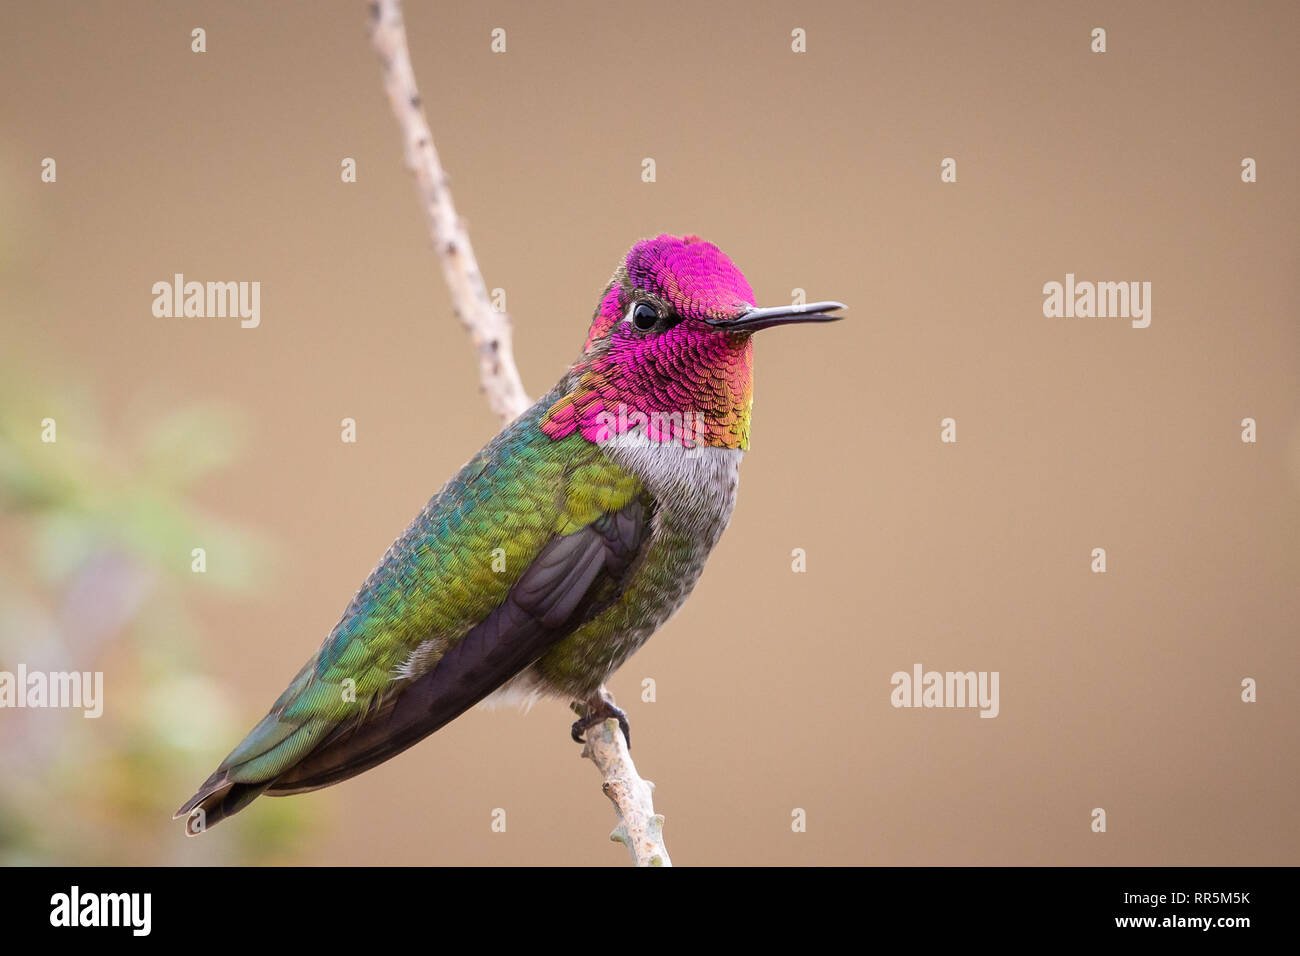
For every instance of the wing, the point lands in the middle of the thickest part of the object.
(575, 577)
(443, 621)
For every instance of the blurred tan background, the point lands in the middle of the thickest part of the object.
(816, 170)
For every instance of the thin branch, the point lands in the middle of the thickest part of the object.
(639, 828)
(488, 329)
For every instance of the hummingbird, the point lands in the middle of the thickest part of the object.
(554, 553)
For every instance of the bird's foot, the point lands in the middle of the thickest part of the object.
(597, 710)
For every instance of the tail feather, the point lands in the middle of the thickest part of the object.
(282, 756)
(310, 739)
(273, 746)
(217, 799)
(279, 761)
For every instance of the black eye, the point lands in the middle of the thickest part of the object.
(644, 317)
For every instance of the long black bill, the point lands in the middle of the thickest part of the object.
(756, 319)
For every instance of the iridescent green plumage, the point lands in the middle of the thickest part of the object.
(455, 564)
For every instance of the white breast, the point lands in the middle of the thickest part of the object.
(696, 486)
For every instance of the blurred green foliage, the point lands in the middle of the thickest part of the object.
(96, 535)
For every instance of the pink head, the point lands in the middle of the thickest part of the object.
(669, 352)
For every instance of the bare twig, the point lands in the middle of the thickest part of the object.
(489, 330)
(640, 828)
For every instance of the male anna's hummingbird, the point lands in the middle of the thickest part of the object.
(554, 553)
